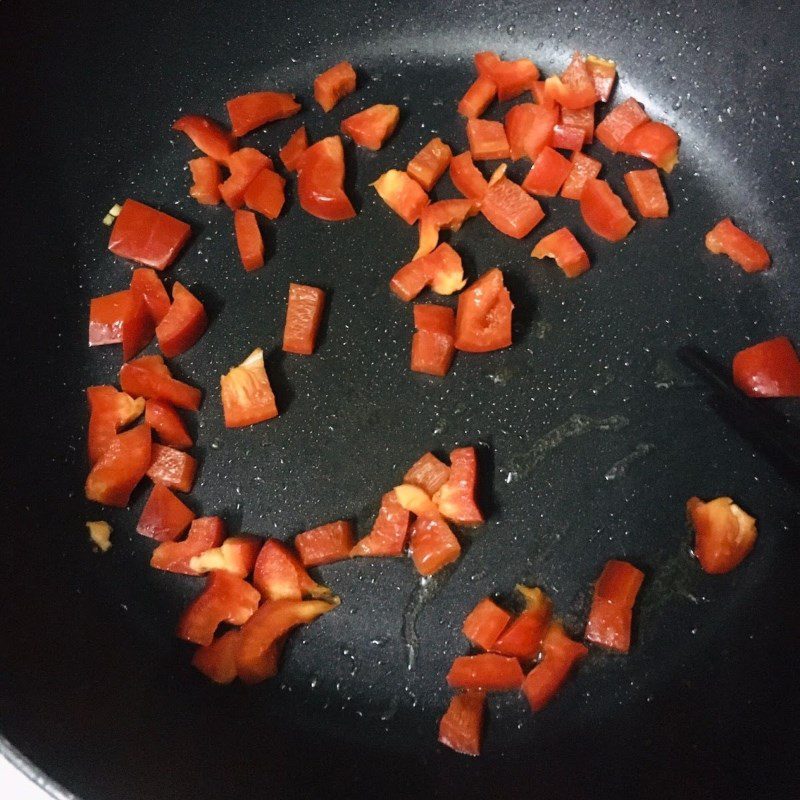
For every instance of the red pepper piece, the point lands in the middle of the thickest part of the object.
(467, 178)
(582, 118)
(415, 500)
(164, 517)
(456, 499)
(121, 466)
(547, 174)
(325, 544)
(724, 534)
(371, 127)
(487, 139)
(543, 98)
(568, 137)
(265, 193)
(247, 397)
(293, 150)
(512, 78)
(449, 214)
(575, 87)
(236, 555)
(217, 661)
(485, 623)
(441, 270)
(303, 317)
(603, 211)
(149, 377)
(251, 111)
(584, 168)
(647, 192)
(654, 141)
(565, 249)
(279, 575)
(609, 623)
(741, 248)
(619, 122)
(109, 410)
(248, 239)
(174, 468)
(204, 533)
(334, 84)
(523, 637)
(432, 347)
(432, 545)
(244, 165)
(430, 163)
(487, 672)
(151, 237)
(462, 724)
(768, 369)
(510, 209)
(389, 533)
(428, 473)
(603, 73)
(167, 424)
(402, 194)
(184, 323)
(530, 129)
(477, 98)
(208, 136)
(255, 659)
(320, 178)
(225, 598)
(146, 283)
(206, 177)
(560, 654)
(120, 317)
(483, 317)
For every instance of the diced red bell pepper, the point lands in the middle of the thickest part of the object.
(149, 377)
(603, 211)
(208, 136)
(724, 534)
(441, 270)
(603, 73)
(477, 98)
(265, 193)
(768, 369)
(109, 410)
(247, 397)
(174, 468)
(582, 118)
(206, 177)
(151, 237)
(417, 501)
(249, 241)
(184, 324)
(217, 661)
(519, 121)
(204, 533)
(483, 317)
(488, 672)
(543, 98)
(485, 623)
(121, 466)
(510, 209)
(251, 111)
(523, 637)
(294, 148)
(244, 165)
(320, 181)
(462, 724)
(740, 247)
(371, 127)
(654, 141)
(442, 214)
(609, 623)
(456, 499)
(560, 654)
(279, 575)
(325, 544)
(575, 88)
(164, 517)
(647, 192)
(430, 163)
(402, 194)
(565, 249)
(584, 168)
(225, 598)
(512, 78)
(432, 347)
(389, 533)
(429, 473)
(108, 316)
(146, 283)
(432, 545)
(303, 317)
(547, 174)
(467, 178)
(334, 84)
(619, 122)
(236, 555)
(487, 139)
(166, 422)
(255, 659)
(568, 137)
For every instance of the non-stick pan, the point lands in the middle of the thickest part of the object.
(591, 435)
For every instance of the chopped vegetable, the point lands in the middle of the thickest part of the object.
(204, 533)
(251, 111)
(217, 661)
(768, 369)
(334, 84)
(510, 209)
(236, 555)
(619, 123)
(428, 473)
(740, 247)
(485, 623)
(568, 137)
(442, 214)
(430, 163)
(603, 73)
(184, 323)
(467, 178)
(208, 136)
(164, 517)
(389, 533)
(528, 128)
(120, 317)
(575, 88)
(647, 192)
(560, 654)
(279, 575)
(441, 270)
(582, 118)
(109, 411)
(402, 194)
(610, 617)
(432, 347)
(477, 98)
(461, 726)
(432, 545)
(603, 211)
(174, 468)
(244, 165)
(512, 78)
(167, 424)
(325, 544)
(247, 397)
(249, 241)
(121, 466)
(724, 534)
(547, 174)
(206, 177)
(523, 637)
(149, 377)
(371, 127)
(100, 534)
(417, 501)
(145, 282)
(584, 168)
(565, 249)
(456, 499)
(542, 97)
(488, 672)
(303, 317)
(293, 150)
(483, 318)
(320, 181)
(487, 139)
(265, 193)
(654, 141)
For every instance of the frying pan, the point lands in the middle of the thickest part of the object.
(591, 435)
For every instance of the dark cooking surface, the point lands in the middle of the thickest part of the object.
(95, 689)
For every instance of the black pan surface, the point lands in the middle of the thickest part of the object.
(591, 435)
